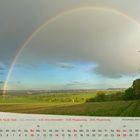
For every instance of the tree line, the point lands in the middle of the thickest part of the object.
(132, 93)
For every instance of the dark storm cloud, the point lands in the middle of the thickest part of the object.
(106, 39)
(17, 20)
(100, 37)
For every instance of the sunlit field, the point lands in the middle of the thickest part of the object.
(68, 104)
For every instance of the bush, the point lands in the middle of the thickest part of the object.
(90, 100)
(100, 96)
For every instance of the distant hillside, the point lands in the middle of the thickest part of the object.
(116, 89)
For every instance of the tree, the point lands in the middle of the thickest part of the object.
(129, 94)
(100, 96)
(134, 91)
(136, 88)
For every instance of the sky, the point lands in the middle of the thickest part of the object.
(77, 44)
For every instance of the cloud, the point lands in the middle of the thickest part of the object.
(107, 39)
(110, 41)
(65, 65)
(87, 85)
(77, 83)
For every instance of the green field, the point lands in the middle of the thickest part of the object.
(68, 104)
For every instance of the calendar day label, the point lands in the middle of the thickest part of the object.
(51, 127)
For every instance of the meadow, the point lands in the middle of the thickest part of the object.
(68, 104)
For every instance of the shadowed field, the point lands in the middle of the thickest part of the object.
(68, 104)
(115, 108)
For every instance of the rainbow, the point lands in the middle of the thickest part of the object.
(53, 19)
